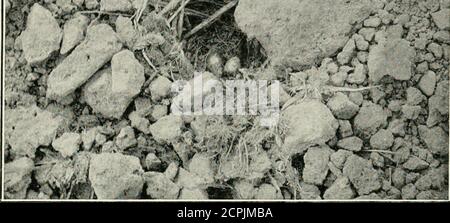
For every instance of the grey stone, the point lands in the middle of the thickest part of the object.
(383, 140)
(167, 128)
(68, 144)
(74, 30)
(42, 35)
(27, 128)
(370, 118)
(309, 122)
(269, 21)
(126, 138)
(316, 165)
(339, 190)
(441, 20)
(115, 176)
(435, 139)
(427, 83)
(342, 107)
(362, 175)
(352, 144)
(17, 178)
(160, 187)
(100, 45)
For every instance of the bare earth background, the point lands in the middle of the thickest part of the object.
(364, 103)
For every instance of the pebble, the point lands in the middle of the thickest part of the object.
(427, 83)
(160, 187)
(68, 144)
(441, 20)
(339, 190)
(42, 35)
(17, 178)
(342, 107)
(160, 88)
(126, 138)
(370, 118)
(167, 128)
(352, 144)
(74, 30)
(316, 165)
(362, 175)
(115, 176)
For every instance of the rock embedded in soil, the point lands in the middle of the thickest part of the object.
(193, 194)
(383, 140)
(339, 157)
(342, 107)
(316, 164)
(362, 175)
(115, 176)
(435, 139)
(160, 88)
(28, 128)
(339, 190)
(17, 178)
(279, 26)
(267, 192)
(160, 187)
(394, 57)
(415, 164)
(111, 91)
(152, 162)
(352, 144)
(309, 123)
(202, 165)
(370, 118)
(441, 20)
(427, 83)
(126, 138)
(116, 5)
(99, 46)
(42, 35)
(167, 128)
(74, 30)
(68, 144)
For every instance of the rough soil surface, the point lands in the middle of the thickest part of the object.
(364, 109)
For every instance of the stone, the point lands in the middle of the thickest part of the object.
(358, 76)
(68, 144)
(411, 112)
(394, 57)
(140, 123)
(338, 79)
(345, 128)
(370, 118)
(362, 175)
(91, 4)
(160, 187)
(27, 128)
(42, 35)
(309, 192)
(115, 176)
(441, 20)
(116, 5)
(167, 128)
(160, 88)
(427, 83)
(202, 165)
(342, 107)
(74, 30)
(435, 139)
(398, 177)
(442, 36)
(17, 178)
(126, 31)
(267, 192)
(409, 192)
(372, 22)
(244, 189)
(383, 140)
(126, 138)
(436, 49)
(339, 190)
(352, 144)
(278, 27)
(171, 171)
(347, 53)
(88, 138)
(414, 96)
(193, 194)
(152, 162)
(316, 165)
(186, 179)
(310, 122)
(100, 44)
(339, 157)
(111, 91)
